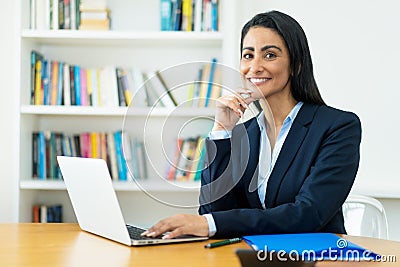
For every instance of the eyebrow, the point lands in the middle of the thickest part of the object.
(263, 48)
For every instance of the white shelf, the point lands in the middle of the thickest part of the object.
(164, 186)
(121, 38)
(114, 111)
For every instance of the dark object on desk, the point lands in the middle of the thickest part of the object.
(250, 258)
(223, 242)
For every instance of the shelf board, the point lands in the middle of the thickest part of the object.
(114, 111)
(121, 38)
(164, 186)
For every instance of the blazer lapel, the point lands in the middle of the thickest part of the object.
(250, 145)
(289, 149)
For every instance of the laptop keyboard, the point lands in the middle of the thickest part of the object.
(135, 233)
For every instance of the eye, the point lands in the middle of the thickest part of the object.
(247, 56)
(270, 55)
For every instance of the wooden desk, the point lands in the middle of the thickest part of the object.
(66, 245)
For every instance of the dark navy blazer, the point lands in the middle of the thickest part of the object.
(311, 179)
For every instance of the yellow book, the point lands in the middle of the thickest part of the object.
(187, 11)
(39, 95)
(54, 82)
(94, 143)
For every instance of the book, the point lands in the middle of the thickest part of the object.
(203, 89)
(35, 56)
(141, 158)
(310, 246)
(177, 14)
(174, 162)
(66, 87)
(112, 157)
(60, 83)
(210, 81)
(136, 81)
(121, 163)
(198, 15)
(186, 15)
(108, 87)
(39, 94)
(35, 155)
(46, 67)
(159, 90)
(42, 156)
(165, 15)
(120, 86)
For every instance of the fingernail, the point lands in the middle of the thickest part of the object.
(144, 233)
(151, 234)
(165, 237)
(241, 113)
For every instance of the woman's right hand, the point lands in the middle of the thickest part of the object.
(230, 108)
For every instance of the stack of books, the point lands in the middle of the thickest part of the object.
(94, 15)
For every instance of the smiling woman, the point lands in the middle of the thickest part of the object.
(290, 168)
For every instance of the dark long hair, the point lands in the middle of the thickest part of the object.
(304, 88)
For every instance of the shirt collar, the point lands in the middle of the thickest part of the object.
(289, 118)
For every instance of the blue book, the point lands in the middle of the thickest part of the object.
(60, 83)
(311, 246)
(42, 156)
(165, 14)
(210, 81)
(77, 85)
(46, 82)
(121, 165)
(177, 14)
(214, 15)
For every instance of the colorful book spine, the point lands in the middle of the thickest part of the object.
(210, 82)
(120, 157)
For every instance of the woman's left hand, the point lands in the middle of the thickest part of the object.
(179, 224)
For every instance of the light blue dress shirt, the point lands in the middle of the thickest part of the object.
(266, 156)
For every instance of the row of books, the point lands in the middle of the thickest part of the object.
(59, 83)
(47, 213)
(188, 160)
(125, 156)
(189, 15)
(69, 15)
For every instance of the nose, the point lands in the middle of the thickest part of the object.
(256, 65)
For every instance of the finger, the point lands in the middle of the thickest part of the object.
(175, 233)
(157, 229)
(235, 106)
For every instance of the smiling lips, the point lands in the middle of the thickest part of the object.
(258, 81)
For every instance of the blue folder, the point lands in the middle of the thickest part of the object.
(311, 247)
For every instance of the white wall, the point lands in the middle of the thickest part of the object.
(8, 113)
(355, 49)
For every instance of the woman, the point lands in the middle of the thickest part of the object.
(287, 170)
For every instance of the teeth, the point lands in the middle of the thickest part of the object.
(258, 80)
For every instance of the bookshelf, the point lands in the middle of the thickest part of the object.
(134, 40)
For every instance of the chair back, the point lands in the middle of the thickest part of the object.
(365, 216)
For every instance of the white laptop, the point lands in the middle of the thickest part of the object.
(96, 205)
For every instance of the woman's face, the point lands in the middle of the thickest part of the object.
(265, 62)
